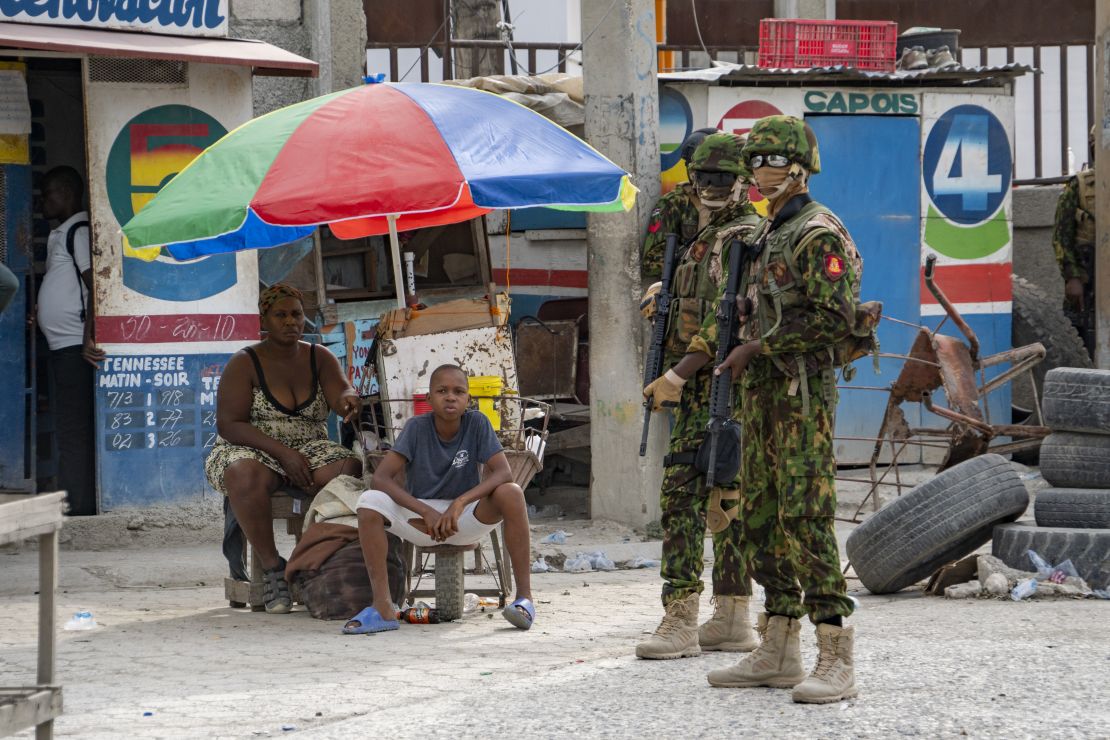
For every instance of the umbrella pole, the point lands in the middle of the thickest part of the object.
(395, 254)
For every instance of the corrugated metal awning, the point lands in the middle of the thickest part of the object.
(264, 58)
(725, 73)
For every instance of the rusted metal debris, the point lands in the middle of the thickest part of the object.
(940, 362)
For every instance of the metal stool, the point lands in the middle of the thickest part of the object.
(449, 574)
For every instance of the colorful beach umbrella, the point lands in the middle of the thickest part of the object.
(374, 160)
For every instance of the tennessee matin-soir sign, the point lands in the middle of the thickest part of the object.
(176, 17)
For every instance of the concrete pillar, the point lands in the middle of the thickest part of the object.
(477, 20)
(1034, 209)
(337, 37)
(622, 121)
(822, 10)
(1102, 197)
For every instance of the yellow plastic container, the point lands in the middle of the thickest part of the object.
(486, 388)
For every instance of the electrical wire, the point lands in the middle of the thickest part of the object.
(424, 50)
(697, 27)
(565, 57)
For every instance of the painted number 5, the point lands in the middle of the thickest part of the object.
(968, 139)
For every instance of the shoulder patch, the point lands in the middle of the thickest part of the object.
(834, 267)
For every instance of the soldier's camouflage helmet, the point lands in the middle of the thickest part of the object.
(786, 135)
(721, 152)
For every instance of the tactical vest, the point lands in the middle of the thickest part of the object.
(695, 287)
(1085, 209)
(777, 287)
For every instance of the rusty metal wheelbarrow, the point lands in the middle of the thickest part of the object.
(937, 361)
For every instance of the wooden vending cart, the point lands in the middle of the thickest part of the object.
(38, 705)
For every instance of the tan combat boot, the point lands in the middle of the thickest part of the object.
(834, 676)
(777, 662)
(677, 635)
(729, 629)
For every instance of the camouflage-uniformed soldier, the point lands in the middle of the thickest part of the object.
(678, 212)
(1074, 243)
(686, 504)
(804, 296)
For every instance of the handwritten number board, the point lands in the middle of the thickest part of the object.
(156, 422)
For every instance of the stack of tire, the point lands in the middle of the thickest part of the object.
(1073, 516)
(943, 519)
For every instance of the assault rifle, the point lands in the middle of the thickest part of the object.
(653, 366)
(728, 327)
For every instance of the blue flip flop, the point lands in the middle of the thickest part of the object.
(369, 620)
(517, 618)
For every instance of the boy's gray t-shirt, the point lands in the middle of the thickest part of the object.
(445, 470)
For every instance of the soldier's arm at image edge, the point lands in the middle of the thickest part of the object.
(659, 225)
(1063, 235)
(825, 317)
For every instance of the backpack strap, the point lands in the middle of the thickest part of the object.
(70, 235)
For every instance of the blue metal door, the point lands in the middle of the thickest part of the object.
(870, 176)
(17, 451)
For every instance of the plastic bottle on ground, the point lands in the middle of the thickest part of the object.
(420, 615)
(81, 620)
(470, 603)
(1024, 589)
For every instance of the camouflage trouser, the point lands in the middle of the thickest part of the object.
(788, 499)
(684, 500)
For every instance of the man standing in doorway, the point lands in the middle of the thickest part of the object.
(65, 316)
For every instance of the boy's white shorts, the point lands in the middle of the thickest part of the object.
(397, 520)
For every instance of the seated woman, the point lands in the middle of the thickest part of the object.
(271, 413)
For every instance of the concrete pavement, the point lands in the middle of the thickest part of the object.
(926, 666)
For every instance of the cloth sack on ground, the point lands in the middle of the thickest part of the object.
(340, 588)
(327, 567)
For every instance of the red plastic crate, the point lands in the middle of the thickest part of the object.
(790, 43)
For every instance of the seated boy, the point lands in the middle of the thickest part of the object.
(444, 501)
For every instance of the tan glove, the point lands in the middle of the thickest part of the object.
(665, 390)
(717, 518)
(647, 303)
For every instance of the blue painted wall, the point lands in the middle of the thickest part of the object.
(871, 177)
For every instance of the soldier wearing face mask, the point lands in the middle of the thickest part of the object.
(678, 212)
(721, 182)
(805, 299)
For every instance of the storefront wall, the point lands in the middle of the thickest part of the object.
(168, 327)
